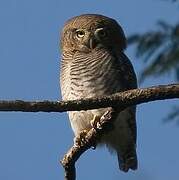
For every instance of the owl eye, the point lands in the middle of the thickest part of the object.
(101, 32)
(80, 33)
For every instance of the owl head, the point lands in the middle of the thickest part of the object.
(88, 32)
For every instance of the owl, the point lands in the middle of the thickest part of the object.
(93, 64)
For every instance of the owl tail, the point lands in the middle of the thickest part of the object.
(127, 161)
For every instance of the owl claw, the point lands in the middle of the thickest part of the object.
(80, 139)
(95, 122)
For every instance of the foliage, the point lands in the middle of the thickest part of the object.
(159, 50)
(174, 114)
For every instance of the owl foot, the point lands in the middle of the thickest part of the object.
(80, 139)
(95, 122)
(98, 121)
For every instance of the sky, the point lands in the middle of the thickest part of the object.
(31, 144)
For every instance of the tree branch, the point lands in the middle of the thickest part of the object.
(125, 99)
(118, 101)
(92, 137)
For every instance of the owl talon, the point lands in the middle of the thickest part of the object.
(80, 140)
(95, 122)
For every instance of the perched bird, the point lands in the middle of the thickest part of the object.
(93, 64)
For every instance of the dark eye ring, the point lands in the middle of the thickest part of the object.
(101, 32)
(80, 33)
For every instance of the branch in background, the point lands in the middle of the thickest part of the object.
(159, 50)
(118, 101)
(173, 115)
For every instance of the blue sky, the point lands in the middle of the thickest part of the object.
(31, 144)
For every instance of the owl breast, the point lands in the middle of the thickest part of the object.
(88, 75)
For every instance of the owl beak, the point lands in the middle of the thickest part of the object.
(92, 43)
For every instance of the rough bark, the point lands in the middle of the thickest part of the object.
(117, 101)
(127, 98)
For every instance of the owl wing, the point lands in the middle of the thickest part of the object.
(127, 73)
(128, 80)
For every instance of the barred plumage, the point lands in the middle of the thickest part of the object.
(93, 66)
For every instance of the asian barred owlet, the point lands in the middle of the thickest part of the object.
(93, 64)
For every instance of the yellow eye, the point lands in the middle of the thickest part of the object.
(80, 33)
